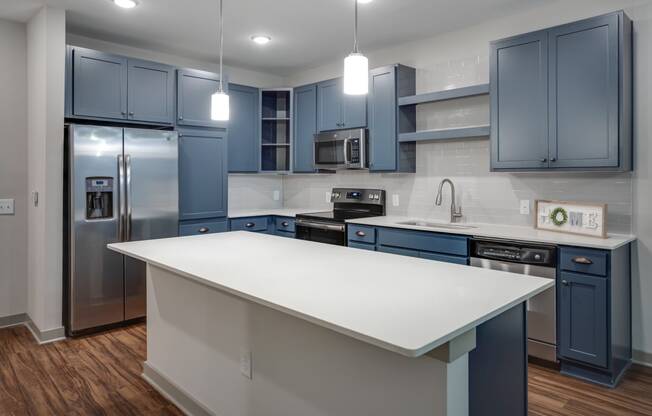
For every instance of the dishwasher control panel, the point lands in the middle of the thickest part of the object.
(514, 252)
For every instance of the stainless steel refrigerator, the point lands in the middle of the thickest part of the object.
(121, 184)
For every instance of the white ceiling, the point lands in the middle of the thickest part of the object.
(304, 33)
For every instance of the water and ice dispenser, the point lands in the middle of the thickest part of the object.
(99, 198)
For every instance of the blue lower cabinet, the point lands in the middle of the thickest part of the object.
(256, 224)
(203, 227)
(361, 246)
(424, 241)
(361, 234)
(284, 226)
(444, 257)
(583, 320)
(594, 313)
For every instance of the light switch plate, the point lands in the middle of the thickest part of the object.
(6, 207)
(277, 195)
(395, 200)
(245, 363)
(525, 206)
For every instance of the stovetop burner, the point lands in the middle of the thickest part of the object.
(339, 215)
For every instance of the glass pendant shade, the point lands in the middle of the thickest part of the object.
(356, 74)
(220, 106)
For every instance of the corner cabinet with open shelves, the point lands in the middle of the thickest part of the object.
(276, 115)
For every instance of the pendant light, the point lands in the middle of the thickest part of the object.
(356, 66)
(220, 100)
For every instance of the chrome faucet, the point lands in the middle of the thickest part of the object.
(456, 212)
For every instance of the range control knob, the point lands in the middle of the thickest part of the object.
(537, 256)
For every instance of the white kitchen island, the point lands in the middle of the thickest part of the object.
(328, 330)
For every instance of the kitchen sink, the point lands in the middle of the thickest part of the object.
(437, 225)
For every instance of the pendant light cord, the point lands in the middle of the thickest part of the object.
(221, 46)
(355, 28)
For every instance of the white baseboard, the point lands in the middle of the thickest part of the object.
(13, 320)
(642, 358)
(168, 389)
(44, 337)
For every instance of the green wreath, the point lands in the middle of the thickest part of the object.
(555, 214)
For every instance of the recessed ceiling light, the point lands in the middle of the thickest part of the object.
(261, 39)
(364, 1)
(126, 4)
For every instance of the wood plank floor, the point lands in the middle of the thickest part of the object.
(100, 375)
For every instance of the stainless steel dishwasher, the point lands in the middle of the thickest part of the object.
(526, 259)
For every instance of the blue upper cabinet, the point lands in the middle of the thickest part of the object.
(194, 91)
(386, 85)
(243, 128)
(99, 84)
(582, 74)
(329, 105)
(203, 176)
(336, 110)
(111, 87)
(150, 92)
(305, 127)
(519, 102)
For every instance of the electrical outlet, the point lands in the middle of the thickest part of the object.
(525, 206)
(277, 195)
(395, 201)
(6, 207)
(245, 363)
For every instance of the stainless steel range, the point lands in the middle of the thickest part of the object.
(330, 226)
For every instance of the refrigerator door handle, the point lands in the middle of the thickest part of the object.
(122, 199)
(128, 191)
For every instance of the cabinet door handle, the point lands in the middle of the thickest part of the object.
(131, 113)
(180, 118)
(249, 224)
(203, 230)
(285, 223)
(544, 160)
(564, 282)
(123, 113)
(553, 159)
(582, 260)
(360, 233)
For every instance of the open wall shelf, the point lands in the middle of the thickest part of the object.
(431, 97)
(446, 134)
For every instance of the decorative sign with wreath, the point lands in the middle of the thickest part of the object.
(572, 217)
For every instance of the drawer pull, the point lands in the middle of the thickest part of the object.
(203, 230)
(360, 233)
(564, 282)
(249, 224)
(285, 223)
(582, 260)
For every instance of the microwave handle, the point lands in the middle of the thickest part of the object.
(347, 160)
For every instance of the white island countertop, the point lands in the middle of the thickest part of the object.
(403, 304)
(508, 232)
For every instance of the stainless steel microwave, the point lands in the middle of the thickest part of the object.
(341, 149)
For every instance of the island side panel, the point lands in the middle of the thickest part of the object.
(196, 337)
(498, 366)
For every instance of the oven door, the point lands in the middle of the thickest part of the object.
(320, 232)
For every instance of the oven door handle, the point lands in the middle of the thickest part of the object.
(320, 226)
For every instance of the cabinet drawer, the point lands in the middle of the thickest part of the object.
(285, 224)
(424, 241)
(362, 246)
(584, 260)
(203, 228)
(285, 234)
(362, 234)
(249, 224)
(399, 251)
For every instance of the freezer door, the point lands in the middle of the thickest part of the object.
(96, 284)
(152, 202)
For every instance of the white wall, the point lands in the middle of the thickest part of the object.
(461, 58)
(45, 114)
(13, 167)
